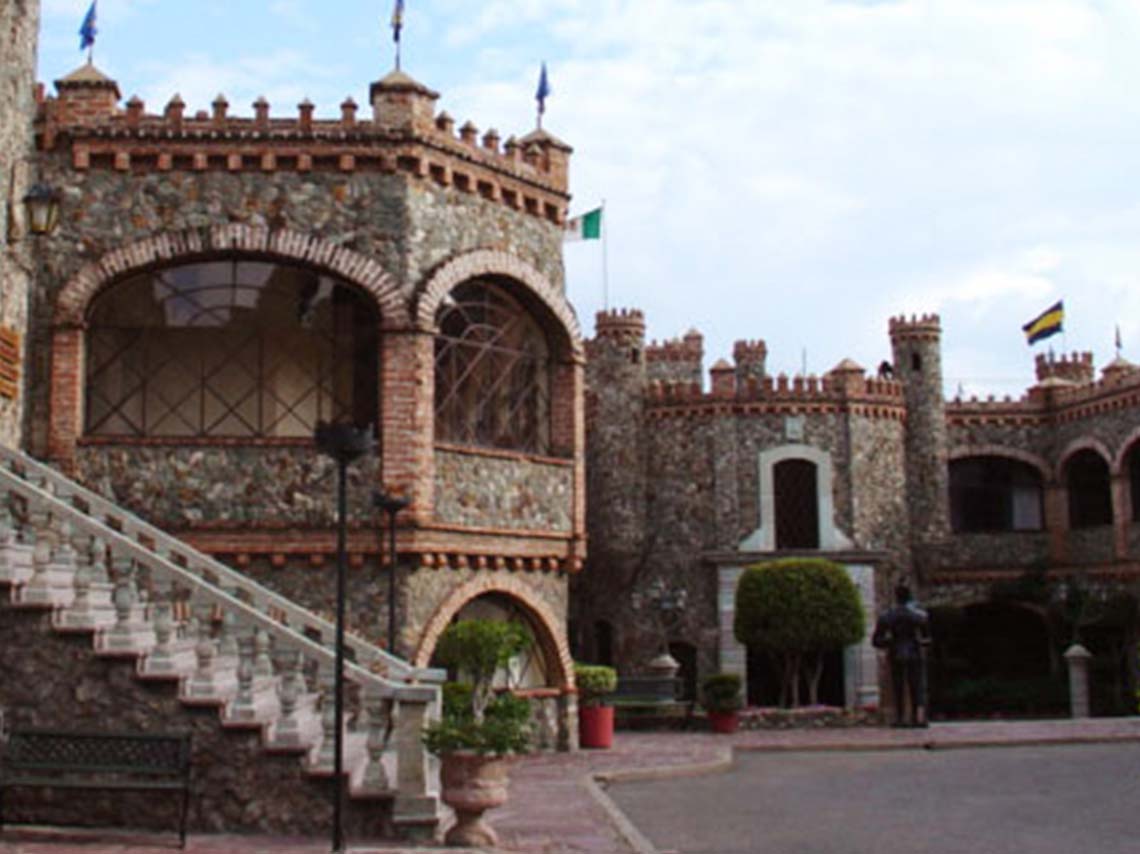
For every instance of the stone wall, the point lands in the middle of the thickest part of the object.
(236, 785)
(19, 23)
(485, 489)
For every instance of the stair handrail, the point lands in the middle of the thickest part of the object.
(123, 545)
(195, 562)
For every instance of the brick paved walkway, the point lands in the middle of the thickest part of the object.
(557, 808)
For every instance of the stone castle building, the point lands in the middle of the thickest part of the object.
(965, 499)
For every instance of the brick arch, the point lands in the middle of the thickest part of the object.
(1085, 443)
(553, 643)
(1121, 458)
(488, 262)
(361, 270)
(1033, 460)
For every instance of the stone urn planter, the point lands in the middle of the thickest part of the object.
(473, 783)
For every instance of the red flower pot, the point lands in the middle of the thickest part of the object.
(596, 726)
(724, 722)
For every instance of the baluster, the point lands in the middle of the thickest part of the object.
(326, 754)
(243, 707)
(99, 562)
(38, 590)
(15, 559)
(227, 637)
(287, 732)
(129, 633)
(379, 710)
(204, 682)
(262, 661)
(162, 659)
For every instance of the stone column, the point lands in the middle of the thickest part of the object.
(1057, 521)
(732, 654)
(1077, 658)
(1121, 515)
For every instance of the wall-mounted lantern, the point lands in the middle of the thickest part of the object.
(42, 205)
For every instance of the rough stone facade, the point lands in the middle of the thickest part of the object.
(402, 208)
(19, 22)
(675, 481)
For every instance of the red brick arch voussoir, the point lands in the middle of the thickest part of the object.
(555, 651)
(361, 270)
(489, 262)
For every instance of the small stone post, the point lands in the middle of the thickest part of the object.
(1077, 657)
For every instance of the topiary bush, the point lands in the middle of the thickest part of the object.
(721, 693)
(795, 611)
(595, 682)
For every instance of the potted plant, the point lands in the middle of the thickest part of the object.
(479, 731)
(595, 718)
(720, 695)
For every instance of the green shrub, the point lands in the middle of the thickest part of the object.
(796, 611)
(595, 682)
(473, 718)
(721, 693)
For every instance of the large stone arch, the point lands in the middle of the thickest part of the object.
(1037, 462)
(287, 245)
(1121, 458)
(553, 643)
(1085, 443)
(487, 262)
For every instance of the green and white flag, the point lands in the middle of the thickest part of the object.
(588, 226)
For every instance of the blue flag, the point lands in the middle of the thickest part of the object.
(87, 30)
(543, 91)
(397, 20)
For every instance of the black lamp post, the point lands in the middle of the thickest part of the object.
(391, 504)
(344, 443)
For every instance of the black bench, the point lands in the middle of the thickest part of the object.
(651, 700)
(43, 758)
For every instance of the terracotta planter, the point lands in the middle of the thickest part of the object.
(596, 726)
(473, 783)
(724, 723)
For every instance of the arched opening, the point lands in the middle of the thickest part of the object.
(229, 347)
(797, 509)
(992, 493)
(1134, 479)
(493, 371)
(527, 670)
(1089, 490)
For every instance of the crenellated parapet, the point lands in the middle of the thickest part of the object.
(750, 358)
(1076, 368)
(676, 360)
(624, 326)
(404, 135)
(922, 327)
(840, 390)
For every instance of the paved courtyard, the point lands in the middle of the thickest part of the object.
(1047, 800)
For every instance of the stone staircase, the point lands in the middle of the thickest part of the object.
(181, 617)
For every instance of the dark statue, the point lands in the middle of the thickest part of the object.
(904, 632)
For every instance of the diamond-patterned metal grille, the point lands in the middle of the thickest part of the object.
(797, 512)
(492, 372)
(229, 348)
(96, 752)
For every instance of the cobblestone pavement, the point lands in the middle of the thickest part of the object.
(558, 804)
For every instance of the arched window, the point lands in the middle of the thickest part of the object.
(797, 510)
(1134, 480)
(229, 348)
(1090, 495)
(492, 372)
(990, 493)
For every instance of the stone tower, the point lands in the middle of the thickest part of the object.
(615, 458)
(916, 343)
(19, 23)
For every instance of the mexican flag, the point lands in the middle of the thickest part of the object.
(588, 226)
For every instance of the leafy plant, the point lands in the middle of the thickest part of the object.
(796, 611)
(595, 682)
(474, 718)
(721, 693)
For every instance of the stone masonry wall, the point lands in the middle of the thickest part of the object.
(236, 786)
(490, 490)
(19, 24)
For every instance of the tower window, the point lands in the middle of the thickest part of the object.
(915, 362)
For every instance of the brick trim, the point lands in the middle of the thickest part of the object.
(361, 270)
(1084, 443)
(1121, 459)
(1039, 463)
(487, 262)
(555, 650)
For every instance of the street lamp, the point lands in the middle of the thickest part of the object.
(42, 204)
(391, 504)
(344, 443)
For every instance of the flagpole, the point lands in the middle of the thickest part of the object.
(605, 260)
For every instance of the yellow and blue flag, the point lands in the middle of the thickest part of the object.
(1049, 322)
(87, 29)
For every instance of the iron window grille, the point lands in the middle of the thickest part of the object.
(492, 372)
(229, 348)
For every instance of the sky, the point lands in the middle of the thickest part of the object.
(797, 172)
